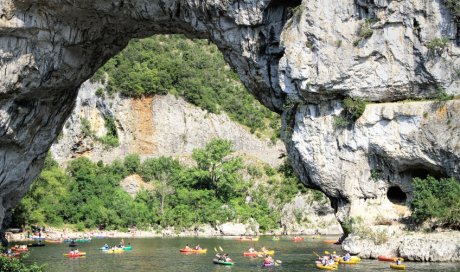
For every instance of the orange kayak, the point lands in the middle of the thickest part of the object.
(384, 258)
(329, 241)
(297, 239)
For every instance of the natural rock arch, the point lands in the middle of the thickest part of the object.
(299, 61)
(48, 49)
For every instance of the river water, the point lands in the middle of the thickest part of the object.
(162, 254)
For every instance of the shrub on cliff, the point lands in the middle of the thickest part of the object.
(436, 200)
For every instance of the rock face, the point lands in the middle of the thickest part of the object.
(305, 215)
(299, 61)
(436, 247)
(153, 127)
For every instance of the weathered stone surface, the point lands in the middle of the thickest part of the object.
(305, 215)
(299, 61)
(400, 140)
(434, 247)
(153, 127)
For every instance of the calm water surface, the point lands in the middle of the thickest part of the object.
(162, 254)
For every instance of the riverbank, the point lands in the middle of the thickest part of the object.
(229, 230)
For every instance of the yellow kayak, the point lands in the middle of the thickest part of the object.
(112, 251)
(398, 266)
(342, 261)
(353, 260)
(257, 253)
(326, 267)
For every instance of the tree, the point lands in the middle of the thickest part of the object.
(220, 168)
(163, 188)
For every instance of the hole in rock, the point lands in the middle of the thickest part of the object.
(421, 172)
(396, 195)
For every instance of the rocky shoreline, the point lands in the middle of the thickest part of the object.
(204, 231)
(412, 246)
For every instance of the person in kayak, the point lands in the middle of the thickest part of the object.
(197, 247)
(268, 259)
(106, 246)
(347, 257)
(263, 249)
(76, 251)
(187, 246)
(398, 261)
(251, 249)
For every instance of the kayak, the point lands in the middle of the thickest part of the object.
(353, 260)
(297, 239)
(75, 254)
(254, 254)
(253, 239)
(191, 250)
(270, 264)
(19, 249)
(36, 245)
(84, 240)
(114, 251)
(384, 258)
(342, 261)
(53, 241)
(329, 241)
(398, 266)
(127, 248)
(275, 239)
(326, 267)
(217, 261)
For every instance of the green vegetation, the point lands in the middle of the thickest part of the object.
(437, 45)
(109, 140)
(352, 110)
(437, 201)
(16, 265)
(365, 31)
(454, 5)
(195, 70)
(214, 191)
(376, 174)
(443, 96)
(341, 122)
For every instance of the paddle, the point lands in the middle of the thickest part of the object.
(221, 249)
(316, 254)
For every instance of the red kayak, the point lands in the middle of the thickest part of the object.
(297, 239)
(384, 258)
(19, 249)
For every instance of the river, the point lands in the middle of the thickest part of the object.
(162, 254)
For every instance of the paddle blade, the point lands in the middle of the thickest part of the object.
(221, 248)
(215, 249)
(326, 252)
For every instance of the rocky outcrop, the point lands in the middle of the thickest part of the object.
(389, 145)
(436, 247)
(307, 215)
(300, 61)
(152, 127)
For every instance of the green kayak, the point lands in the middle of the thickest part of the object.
(128, 248)
(217, 261)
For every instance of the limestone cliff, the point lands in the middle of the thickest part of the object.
(299, 58)
(153, 127)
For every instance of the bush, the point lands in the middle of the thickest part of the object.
(437, 45)
(86, 127)
(437, 200)
(443, 96)
(354, 108)
(340, 122)
(365, 31)
(16, 265)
